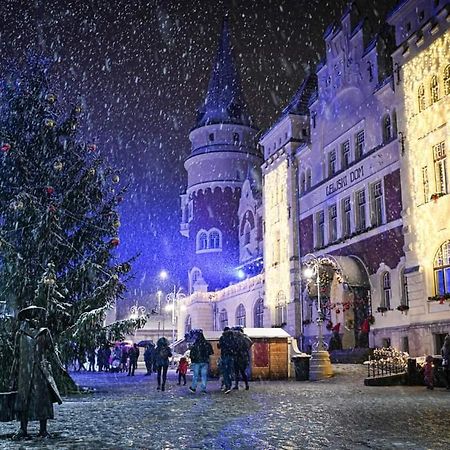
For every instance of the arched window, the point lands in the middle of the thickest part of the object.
(240, 316)
(280, 309)
(404, 288)
(214, 239)
(188, 324)
(302, 182)
(386, 290)
(387, 128)
(421, 97)
(202, 240)
(259, 313)
(441, 268)
(194, 276)
(223, 319)
(434, 89)
(446, 80)
(394, 123)
(308, 179)
(247, 233)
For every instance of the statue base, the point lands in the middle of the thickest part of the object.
(320, 365)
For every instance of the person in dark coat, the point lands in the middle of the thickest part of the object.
(148, 358)
(445, 352)
(241, 357)
(31, 374)
(335, 340)
(91, 359)
(227, 350)
(161, 361)
(199, 354)
(133, 354)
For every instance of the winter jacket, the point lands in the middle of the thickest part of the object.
(183, 366)
(162, 353)
(201, 351)
(227, 344)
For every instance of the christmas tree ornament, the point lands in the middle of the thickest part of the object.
(51, 98)
(116, 224)
(6, 147)
(114, 242)
(77, 109)
(50, 190)
(92, 147)
(115, 178)
(18, 204)
(50, 123)
(91, 171)
(49, 281)
(58, 166)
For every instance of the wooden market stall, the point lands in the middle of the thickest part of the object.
(269, 354)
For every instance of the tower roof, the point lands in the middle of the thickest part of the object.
(224, 102)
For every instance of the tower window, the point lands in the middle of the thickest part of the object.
(386, 291)
(345, 153)
(331, 163)
(359, 145)
(214, 239)
(440, 167)
(421, 98)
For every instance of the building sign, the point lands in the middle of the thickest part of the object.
(344, 181)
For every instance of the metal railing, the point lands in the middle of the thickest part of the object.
(383, 367)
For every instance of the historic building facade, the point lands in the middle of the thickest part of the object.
(422, 85)
(354, 173)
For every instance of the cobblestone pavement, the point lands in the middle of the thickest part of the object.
(339, 413)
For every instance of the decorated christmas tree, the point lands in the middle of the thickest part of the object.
(59, 216)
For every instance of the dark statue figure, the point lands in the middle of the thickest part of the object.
(31, 374)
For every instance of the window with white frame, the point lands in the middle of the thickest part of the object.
(223, 318)
(421, 97)
(346, 217)
(386, 293)
(240, 316)
(425, 185)
(202, 240)
(280, 309)
(332, 223)
(434, 89)
(441, 268)
(440, 168)
(214, 239)
(359, 145)
(360, 210)
(387, 128)
(259, 313)
(308, 179)
(377, 205)
(404, 288)
(446, 80)
(331, 163)
(194, 276)
(247, 233)
(345, 154)
(320, 229)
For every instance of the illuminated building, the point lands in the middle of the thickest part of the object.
(422, 84)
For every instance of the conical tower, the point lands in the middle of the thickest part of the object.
(224, 152)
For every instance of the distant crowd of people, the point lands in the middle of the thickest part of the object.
(234, 346)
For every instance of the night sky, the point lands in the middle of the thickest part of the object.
(141, 68)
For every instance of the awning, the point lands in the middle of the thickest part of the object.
(353, 271)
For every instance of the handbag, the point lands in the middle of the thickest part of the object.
(7, 400)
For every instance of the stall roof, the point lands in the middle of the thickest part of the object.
(252, 333)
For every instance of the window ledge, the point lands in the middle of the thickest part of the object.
(208, 250)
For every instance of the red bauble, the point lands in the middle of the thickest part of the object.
(114, 242)
(6, 148)
(92, 147)
(49, 190)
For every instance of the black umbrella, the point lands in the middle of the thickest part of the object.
(145, 343)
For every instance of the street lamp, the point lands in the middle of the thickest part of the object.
(320, 366)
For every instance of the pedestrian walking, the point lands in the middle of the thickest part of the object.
(199, 354)
(133, 354)
(428, 372)
(161, 358)
(227, 348)
(445, 352)
(148, 358)
(241, 357)
(182, 369)
(91, 359)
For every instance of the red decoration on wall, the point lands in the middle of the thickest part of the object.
(260, 354)
(114, 242)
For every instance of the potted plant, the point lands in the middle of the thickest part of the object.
(403, 308)
(382, 309)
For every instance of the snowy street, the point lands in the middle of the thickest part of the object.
(339, 413)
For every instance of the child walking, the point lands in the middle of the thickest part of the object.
(182, 370)
(428, 372)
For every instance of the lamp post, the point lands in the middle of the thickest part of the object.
(320, 366)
